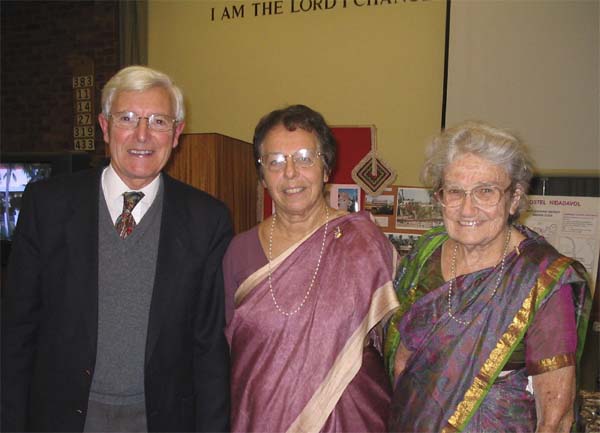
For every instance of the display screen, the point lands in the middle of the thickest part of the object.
(13, 179)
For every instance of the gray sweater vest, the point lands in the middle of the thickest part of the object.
(126, 272)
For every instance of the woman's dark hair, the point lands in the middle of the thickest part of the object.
(292, 118)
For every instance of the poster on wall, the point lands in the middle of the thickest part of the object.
(570, 224)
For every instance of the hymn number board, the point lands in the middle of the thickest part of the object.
(83, 99)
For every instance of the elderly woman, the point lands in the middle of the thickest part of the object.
(306, 290)
(485, 303)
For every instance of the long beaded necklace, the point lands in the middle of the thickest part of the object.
(453, 279)
(314, 276)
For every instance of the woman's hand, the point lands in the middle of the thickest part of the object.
(554, 393)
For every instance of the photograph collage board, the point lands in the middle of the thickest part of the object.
(403, 213)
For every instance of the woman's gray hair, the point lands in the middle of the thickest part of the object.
(140, 78)
(495, 145)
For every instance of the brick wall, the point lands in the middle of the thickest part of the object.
(40, 41)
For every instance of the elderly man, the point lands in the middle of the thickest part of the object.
(112, 316)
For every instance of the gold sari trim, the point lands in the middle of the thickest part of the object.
(504, 347)
(551, 364)
(346, 366)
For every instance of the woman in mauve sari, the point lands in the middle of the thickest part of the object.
(307, 291)
(492, 318)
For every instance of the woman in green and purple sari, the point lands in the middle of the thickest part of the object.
(492, 318)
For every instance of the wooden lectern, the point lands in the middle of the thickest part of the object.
(223, 167)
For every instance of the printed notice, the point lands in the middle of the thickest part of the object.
(570, 224)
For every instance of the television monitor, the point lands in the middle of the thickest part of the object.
(19, 169)
(14, 177)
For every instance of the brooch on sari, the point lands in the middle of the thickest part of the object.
(337, 233)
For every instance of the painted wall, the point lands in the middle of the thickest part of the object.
(358, 62)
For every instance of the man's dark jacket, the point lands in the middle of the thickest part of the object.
(50, 311)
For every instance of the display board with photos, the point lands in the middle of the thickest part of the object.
(404, 213)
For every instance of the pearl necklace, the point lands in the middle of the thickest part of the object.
(453, 280)
(312, 281)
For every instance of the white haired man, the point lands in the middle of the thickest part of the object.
(112, 316)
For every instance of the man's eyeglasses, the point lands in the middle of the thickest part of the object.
(130, 120)
(485, 195)
(302, 158)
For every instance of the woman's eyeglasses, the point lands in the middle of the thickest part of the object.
(485, 195)
(302, 158)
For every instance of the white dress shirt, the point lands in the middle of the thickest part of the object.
(113, 188)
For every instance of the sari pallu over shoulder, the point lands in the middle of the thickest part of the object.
(453, 367)
(408, 290)
(290, 372)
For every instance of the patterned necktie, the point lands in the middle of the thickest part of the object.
(125, 223)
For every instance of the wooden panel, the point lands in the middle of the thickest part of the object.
(237, 181)
(223, 167)
(193, 161)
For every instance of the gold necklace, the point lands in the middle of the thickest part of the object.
(314, 276)
(453, 279)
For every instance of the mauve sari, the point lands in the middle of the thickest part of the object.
(320, 369)
(474, 378)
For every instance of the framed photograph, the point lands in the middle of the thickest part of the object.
(416, 209)
(403, 242)
(382, 221)
(344, 196)
(382, 208)
(380, 204)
